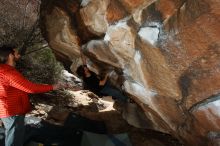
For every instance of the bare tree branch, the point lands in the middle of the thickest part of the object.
(46, 46)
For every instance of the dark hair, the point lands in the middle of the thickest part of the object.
(80, 71)
(4, 52)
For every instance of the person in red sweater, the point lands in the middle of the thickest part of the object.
(14, 101)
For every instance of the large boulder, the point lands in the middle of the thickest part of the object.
(165, 53)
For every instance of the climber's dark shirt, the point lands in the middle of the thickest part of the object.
(92, 83)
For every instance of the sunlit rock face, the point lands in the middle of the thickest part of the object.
(95, 23)
(163, 53)
(60, 34)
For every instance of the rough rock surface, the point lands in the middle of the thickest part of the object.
(53, 108)
(18, 20)
(166, 53)
(62, 38)
(163, 53)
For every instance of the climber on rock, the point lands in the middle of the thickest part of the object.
(96, 84)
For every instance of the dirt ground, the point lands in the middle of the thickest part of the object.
(55, 107)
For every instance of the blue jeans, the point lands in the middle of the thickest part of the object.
(14, 130)
(115, 93)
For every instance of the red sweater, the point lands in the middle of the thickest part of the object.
(14, 89)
